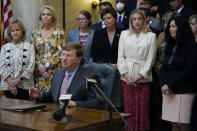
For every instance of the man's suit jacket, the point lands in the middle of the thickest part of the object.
(80, 94)
(155, 25)
(125, 22)
(101, 50)
(186, 12)
(97, 26)
(73, 36)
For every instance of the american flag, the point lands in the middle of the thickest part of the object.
(6, 14)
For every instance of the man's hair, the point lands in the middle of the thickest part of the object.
(76, 46)
(146, 11)
(105, 3)
(111, 11)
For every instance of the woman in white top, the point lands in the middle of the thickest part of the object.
(17, 63)
(136, 54)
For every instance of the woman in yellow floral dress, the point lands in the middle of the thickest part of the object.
(48, 42)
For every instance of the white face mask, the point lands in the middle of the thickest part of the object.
(120, 7)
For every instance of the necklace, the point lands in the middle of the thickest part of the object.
(46, 33)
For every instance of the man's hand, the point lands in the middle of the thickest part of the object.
(35, 92)
(71, 103)
(114, 65)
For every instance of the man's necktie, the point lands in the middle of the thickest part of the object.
(119, 20)
(64, 87)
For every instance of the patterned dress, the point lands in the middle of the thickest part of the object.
(47, 53)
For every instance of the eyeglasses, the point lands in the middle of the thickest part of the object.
(67, 56)
(81, 19)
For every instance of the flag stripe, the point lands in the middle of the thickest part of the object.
(6, 14)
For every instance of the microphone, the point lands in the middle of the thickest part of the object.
(90, 80)
(90, 83)
(64, 100)
(101, 95)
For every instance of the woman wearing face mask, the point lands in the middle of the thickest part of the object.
(105, 42)
(48, 42)
(83, 34)
(136, 53)
(177, 74)
(122, 15)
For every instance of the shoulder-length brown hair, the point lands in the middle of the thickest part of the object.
(144, 27)
(22, 27)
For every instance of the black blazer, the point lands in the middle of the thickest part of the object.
(186, 12)
(82, 96)
(125, 22)
(180, 75)
(101, 50)
(97, 26)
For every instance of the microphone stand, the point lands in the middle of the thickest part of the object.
(111, 107)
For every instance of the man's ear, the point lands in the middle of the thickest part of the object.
(79, 59)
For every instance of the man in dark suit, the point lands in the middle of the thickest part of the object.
(122, 15)
(154, 24)
(102, 6)
(75, 83)
(180, 7)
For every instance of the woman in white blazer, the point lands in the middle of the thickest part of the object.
(136, 54)
(17, 63)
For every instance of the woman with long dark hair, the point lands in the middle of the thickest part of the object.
(176, 76)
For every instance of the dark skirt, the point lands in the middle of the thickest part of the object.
(136, 103)
(21, 94)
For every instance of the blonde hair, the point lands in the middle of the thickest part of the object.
(53, 13)
(144, 27)
(22, 27)
(194, 16)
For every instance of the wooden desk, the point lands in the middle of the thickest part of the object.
(83, 119)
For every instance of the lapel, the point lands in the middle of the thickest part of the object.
(124, 18)
(76, 79)
(89, 40)
(106, 38)
(100, 25)
(76, 35)
(116, 37)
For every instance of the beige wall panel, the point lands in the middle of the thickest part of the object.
(27, 11)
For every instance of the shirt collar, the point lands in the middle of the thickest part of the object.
(180, 9)
(118, 14)
(103, 24)
(72, 72)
